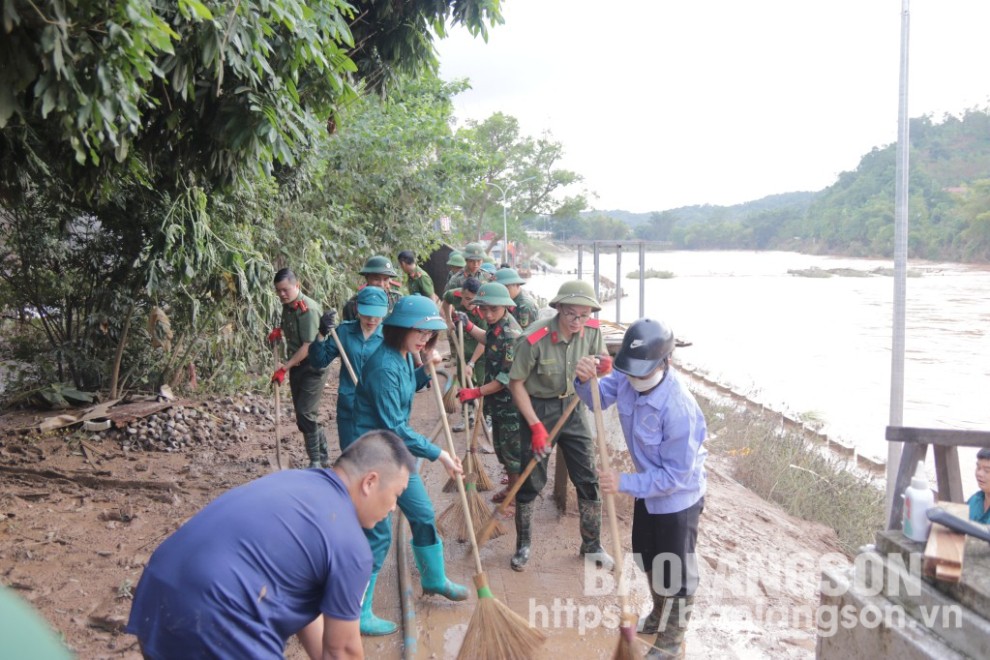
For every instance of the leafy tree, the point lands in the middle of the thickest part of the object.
(525, 168)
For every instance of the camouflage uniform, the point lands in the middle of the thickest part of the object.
(453, 298)
(350, 313)
(525, 310)
(305, 382)
(457, 281)
(500, 342)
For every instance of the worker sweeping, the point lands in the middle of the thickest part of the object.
(664, 430)
(378, 272)
(493, 302)
(359, 339)
(299, 327)
(389, 381)
(541, 381)
(279, 556)
(462, 300)
(525, 309)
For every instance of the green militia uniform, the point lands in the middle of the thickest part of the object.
(457, 281)
(350, 312)
(546, 363)
(421, 285)
(453, 298)
(525, 311)
(500, 342)
(305, 382)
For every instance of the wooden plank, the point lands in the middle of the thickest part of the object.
(945, 550)
(945, 437)
(910, 456)
(947, 473)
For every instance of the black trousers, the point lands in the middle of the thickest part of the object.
(664, 543)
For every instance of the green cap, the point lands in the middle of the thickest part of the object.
(378, 265)
(494, 294)
(456, 259)
(508, 276)
(474, 251)
(576, 292)
(415, 312)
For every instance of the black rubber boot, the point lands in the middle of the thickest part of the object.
(312, 441)
(591, 534)
(524, 516)
(669, 644)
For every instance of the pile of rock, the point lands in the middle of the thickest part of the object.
(216, 425)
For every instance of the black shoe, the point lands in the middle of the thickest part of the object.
(520, 559)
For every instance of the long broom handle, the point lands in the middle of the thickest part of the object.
(343, 355)
(479, 419)
(460, 478)
(613, 520)
(511, 495)
(278, 412)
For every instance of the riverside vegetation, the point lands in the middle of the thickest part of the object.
(780, 465)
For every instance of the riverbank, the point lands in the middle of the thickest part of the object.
(79, 517)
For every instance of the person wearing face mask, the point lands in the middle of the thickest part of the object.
(665, 431)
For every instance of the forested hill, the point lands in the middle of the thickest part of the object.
(949, 204)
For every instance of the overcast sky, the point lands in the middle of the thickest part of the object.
(663, 103)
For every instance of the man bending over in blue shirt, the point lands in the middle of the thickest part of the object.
(282, 555)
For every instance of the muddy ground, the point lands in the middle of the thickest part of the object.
(80, 513)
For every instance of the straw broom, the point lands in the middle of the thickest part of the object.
(495, 632)
(626, 649)
(453, 521)
(489, 528)
(474, 467)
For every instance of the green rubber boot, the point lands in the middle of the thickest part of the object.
(324, 452)
(591, 534)
(312, 441)
(657, 618)
(371, 625)
(429, 561)
(669, 644)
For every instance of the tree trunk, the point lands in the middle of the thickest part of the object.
(115, 373)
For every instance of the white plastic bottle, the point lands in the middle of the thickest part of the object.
(918, 499)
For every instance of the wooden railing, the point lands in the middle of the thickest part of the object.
(945, 445)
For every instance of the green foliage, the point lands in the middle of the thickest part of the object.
(523, 168)
(949, 204)
(173, 154)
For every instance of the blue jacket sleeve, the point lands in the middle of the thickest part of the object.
(386, 403)
(422, 377)
(607, 388)
(674, 456)
(322, 353)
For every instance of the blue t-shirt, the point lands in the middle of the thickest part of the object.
(253, 568)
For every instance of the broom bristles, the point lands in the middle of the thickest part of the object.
(483, 481)
(453, 523)
(496, 632)
(626, 649)
(450, 403)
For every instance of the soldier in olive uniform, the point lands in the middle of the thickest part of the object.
(542, 383)
(474, 255)
(494, 303)
(418, 281)
(525, 309)
(299, 327)
(377, 271)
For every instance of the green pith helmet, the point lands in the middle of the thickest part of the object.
(456, 259)
(415, 312)
(576, 292)
(378, 265)
(494, 294)
(488, 259)
(508, 276)
(474, 251)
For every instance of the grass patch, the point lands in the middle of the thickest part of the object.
(651, 274)
(780, 465)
